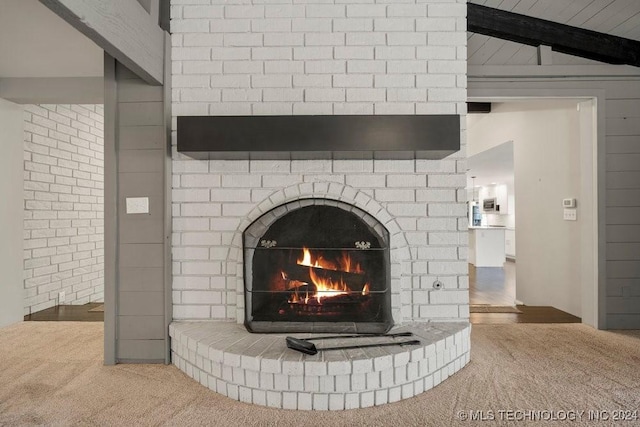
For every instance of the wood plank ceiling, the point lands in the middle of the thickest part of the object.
(617, 17)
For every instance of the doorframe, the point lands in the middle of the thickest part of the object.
(12, 289)
(593, 291)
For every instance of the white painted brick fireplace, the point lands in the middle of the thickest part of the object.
(315, 57)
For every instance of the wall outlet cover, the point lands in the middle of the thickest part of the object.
(61, 297)
(137, 205)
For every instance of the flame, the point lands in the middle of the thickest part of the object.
(297, 298)
(344, 263)
(325, 287)
(306, 258)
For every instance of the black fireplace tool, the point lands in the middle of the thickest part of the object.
(329, 337)
(304, 345)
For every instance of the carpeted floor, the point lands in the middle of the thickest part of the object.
(51, 373)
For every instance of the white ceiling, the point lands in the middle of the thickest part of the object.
(493, 166)
(617, 17)
(496, 165)
(35, 42)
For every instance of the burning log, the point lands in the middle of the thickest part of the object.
(307, 295)
(302, 273)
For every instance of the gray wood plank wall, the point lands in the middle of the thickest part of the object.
(140, 322)
(622, 176)
(623, 208)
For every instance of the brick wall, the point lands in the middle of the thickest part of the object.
(63, 183)
(317, 57)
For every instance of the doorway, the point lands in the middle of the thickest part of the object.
(553, 141)
(63, 210)
(54, 75)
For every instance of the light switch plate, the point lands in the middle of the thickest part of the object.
(137, 205)
(570, 215)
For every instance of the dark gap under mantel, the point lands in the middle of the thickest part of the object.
(320, 137)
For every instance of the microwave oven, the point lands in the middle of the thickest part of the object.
(490, 205)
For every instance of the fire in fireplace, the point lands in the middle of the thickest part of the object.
(319, 284)
(317, 266)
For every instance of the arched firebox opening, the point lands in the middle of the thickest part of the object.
(317, 265)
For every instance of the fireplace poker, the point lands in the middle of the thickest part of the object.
(364, 335)
(307, 347)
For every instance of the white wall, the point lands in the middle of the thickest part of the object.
(11, 290)
(63, 205)
(35, 42)
(547, 169)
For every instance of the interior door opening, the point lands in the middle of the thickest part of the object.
(525, 158)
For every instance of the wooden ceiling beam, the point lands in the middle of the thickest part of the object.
(561, 37)
(122, 28)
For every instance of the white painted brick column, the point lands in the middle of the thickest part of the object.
(318, 57)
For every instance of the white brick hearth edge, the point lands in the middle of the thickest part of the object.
(260, 369)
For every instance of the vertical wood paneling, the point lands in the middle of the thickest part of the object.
(623, 207)
(142, 242)
(110, 211)
(623, 162)
(11, 213)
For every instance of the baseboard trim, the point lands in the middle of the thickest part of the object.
(142, 362)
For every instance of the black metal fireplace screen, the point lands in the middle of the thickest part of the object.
(317, 266)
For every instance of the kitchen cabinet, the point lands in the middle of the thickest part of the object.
(502, 199)
(510, 242)
(487, 246)
(498, 192)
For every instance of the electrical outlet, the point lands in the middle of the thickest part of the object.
(570, 215)
(61, 297)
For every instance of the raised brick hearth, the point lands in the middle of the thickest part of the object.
(260, 369)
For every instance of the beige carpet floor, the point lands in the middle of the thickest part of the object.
(51, 373)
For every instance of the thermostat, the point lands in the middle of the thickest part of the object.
(568, 203)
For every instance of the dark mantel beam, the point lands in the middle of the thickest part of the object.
(561, 37)
(357, 136)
